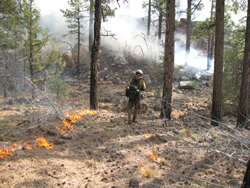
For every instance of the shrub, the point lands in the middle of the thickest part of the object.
(59, 87)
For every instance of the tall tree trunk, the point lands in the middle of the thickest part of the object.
(209, 47)
(166, 108)
(78, 46)
(6, 85)
(218, 64)
(160, 25)
(149, 17)
(24, 74)
(91, 14)
(31, 56)
(246, 179)
(188, 31)
(208, 52)
(212, 47)
(95, 56)
(244, 90)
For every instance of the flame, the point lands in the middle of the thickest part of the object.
(44, 143)
(4, 152)
(154, 156)
(144, 172)
(67, 125)
(74, 118)
(27, 146)
(15, 147)
(87, 112)
(62, 130)
(147, 135)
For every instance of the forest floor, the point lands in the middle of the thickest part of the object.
(100, 150)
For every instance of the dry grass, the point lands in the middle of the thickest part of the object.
(104, 151)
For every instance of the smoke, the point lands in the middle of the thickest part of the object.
(128, 31)
(129, 28)
(196, 59)
(131, 32)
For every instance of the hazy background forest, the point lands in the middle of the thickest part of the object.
(46, 60)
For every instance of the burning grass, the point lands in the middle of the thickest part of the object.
(43, 143)
(103, 151)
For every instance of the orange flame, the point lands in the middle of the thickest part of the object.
(62, 130)
(87, 112)
(154, 156)
(67, 125)
(74, 117)
(4, 152)
(144, 172)
(15, 147)
(27, 146)
(44, 143)
(147, 135)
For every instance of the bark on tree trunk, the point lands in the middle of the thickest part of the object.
(166, 108)
(243, 106)
(209, 48)
(160, 26)
(212, 48)
(246, 179)
(208, 52)
(79, 45)
(6, 85)
(218, 64)
(31, 56)
(188, 32)
(91, 25)
(95, 56)
(149, 17)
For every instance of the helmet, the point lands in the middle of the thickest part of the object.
(139, 71)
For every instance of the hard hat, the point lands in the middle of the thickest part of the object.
(139, 71)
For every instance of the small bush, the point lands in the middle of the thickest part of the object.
(158, 92)
(59, 87)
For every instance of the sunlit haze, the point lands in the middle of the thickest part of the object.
(133, 8)
(126, 26)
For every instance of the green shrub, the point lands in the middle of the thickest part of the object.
(158, 92)
(59, 87)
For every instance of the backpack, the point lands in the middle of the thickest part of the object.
(133, 92)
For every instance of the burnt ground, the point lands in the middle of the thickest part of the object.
(104, 151)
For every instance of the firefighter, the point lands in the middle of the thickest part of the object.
(134, 102)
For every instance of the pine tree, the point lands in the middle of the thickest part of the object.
(218, 67)
(91, 21)
(75, 18)
(243, 107)
(36, 39)
(8, 35)
(169, 60)
(191, 8)
(95, 56)
(149, 17)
